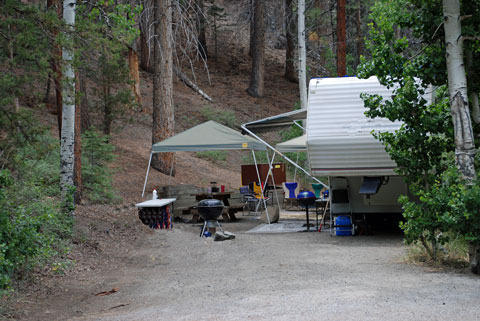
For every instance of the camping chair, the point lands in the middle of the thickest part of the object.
(257, 190)
(248, 198)
(340, 200)
(291, 190)
(317, 188)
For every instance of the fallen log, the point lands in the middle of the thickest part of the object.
(190, 84)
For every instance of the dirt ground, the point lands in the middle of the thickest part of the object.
(176, 275)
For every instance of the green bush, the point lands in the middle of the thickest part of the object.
(97, 153)
(444, 208)
(33, 229)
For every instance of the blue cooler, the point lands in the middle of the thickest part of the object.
(347, 229)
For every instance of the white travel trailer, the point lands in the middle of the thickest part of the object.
(340, 145)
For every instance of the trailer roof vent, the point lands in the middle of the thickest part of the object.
(371, 185)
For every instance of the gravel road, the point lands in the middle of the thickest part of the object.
(175, 275)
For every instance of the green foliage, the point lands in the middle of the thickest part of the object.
(447, 205)
(96, 175)
(102, 37)
(24, 46)
(225, 117)
(33, 228)
(213, 155)
(408, 54)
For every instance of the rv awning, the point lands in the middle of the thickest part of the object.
(207, 136)
(298, 144)
(282, 121)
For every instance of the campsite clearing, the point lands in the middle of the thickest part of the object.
(175, 275)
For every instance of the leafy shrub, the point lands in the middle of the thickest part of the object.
(97, 153)
(33, 229)
(444, 208)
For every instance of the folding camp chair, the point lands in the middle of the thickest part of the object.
(291, 190)
(257, 190)
(248, 198)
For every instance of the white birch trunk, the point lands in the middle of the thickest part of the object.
(68, 116)
(457, 87)
(302, 56)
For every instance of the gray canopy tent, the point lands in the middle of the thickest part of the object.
(297, 144)
(204, 137)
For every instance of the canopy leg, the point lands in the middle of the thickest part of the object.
(146, 176)
(273, 179)
(295, 172)
(261, 187)
(171, 171)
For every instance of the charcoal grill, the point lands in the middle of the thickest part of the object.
(306, 199)
(210, 209)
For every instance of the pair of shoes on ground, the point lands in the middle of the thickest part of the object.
(222, 236)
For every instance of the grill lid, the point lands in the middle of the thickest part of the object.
(305, 194)
(210, 202)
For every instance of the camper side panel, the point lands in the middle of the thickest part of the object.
(339, 138)
(385, 201)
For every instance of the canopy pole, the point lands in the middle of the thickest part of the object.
(296, 123)
(244, 128)
(146, 176)
(273, 178)
(295, 172)
(261, 187)
(171, 171)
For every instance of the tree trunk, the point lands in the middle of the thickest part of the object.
(472, 95)
(302, 56)
(257, 86)
(67, 140)
(85, 115)
(474, 255)
(358, 22)
(251, 3)
(107, 110)
(77, 150)
(144, 49)
(341, 39)
(134, 73)
(202, 38)
(475, 107)
(457, 88)
(290, 73)
(163, 109)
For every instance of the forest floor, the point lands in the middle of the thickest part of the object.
(175, 275)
